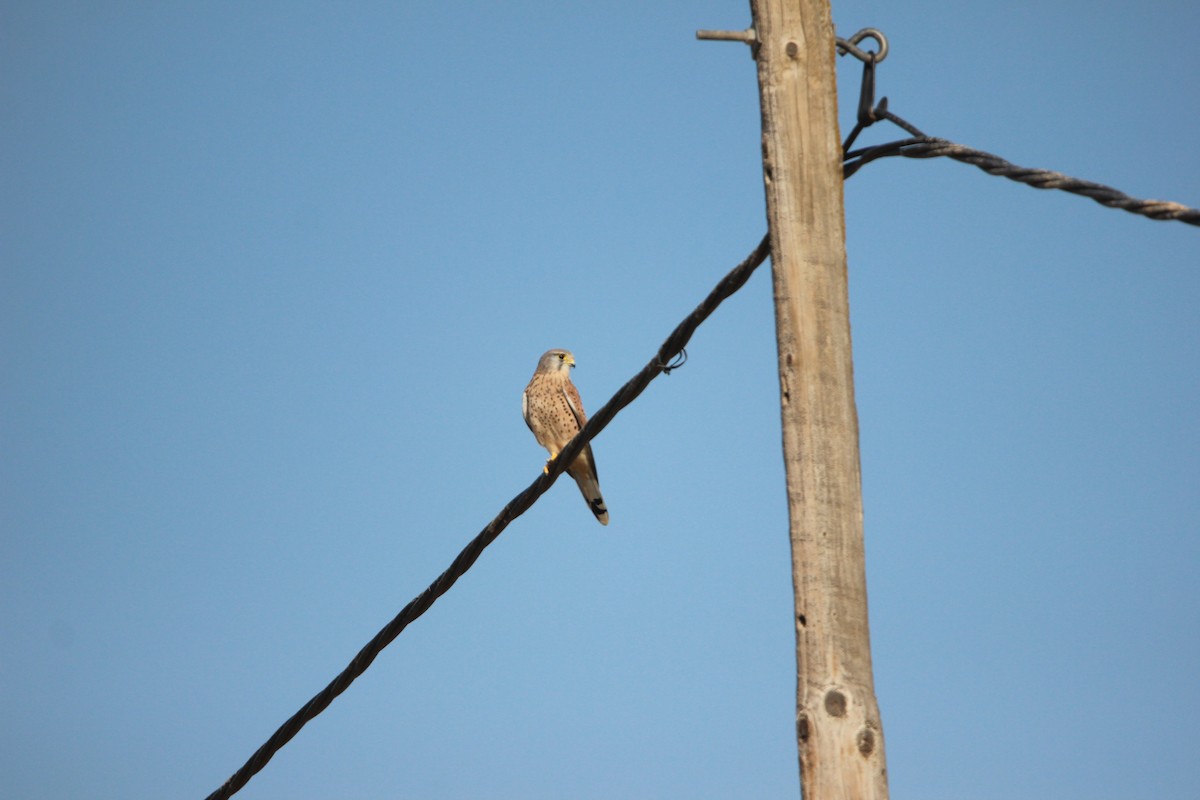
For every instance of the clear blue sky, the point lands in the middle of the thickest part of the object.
(272, 279)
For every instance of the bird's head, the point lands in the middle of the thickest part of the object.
(556, 361)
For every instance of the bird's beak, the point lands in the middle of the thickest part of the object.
(570, 361)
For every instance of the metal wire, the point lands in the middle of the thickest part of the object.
(849, 45)
(932, 147)
(661, 362)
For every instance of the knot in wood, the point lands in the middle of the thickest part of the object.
(835, 703)
(866, 741)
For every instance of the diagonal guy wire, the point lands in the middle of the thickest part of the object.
(930, 147)
(515, 508)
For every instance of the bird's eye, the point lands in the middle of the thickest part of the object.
(562, 356)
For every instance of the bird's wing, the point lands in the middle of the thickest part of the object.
(576, 405)
(525, 407)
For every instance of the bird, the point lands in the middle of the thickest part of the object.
(554, 412)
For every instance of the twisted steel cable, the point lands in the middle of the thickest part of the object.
(932, 147)
(662, 362)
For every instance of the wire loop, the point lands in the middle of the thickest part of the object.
(679, 360)
(850, 46)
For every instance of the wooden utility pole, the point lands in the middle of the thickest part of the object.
(838, 728)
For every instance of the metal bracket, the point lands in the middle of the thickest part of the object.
(844, 46)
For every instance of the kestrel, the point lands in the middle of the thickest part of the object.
(554, 412)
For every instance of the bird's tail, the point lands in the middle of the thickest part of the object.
(585, 477)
